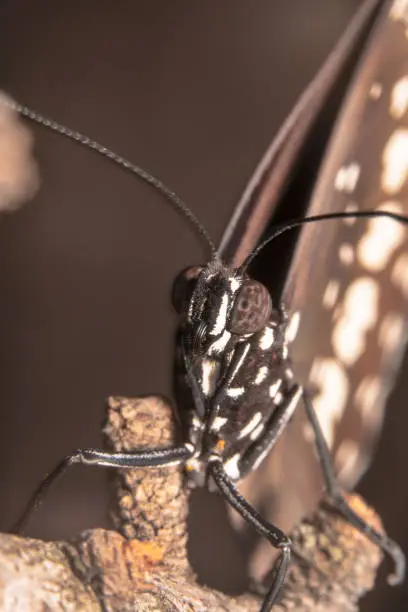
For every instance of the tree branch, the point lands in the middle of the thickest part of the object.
(143, 565)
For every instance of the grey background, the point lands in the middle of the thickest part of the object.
(193, 91)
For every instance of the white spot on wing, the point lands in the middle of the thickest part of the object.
(399, 98)
(399, 11)
(369, 400)
(383, 236)
(375, 92)
(331, 294)
(292, 328)
(399, 274)
(347, 460)
(359, 314)
(392, 332)
(347, 177)
(395, 162)
(346, 254)
(256, 419)
(308, 432)
(350, 207)
(330, 402)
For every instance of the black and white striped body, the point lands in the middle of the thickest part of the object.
(233, 348)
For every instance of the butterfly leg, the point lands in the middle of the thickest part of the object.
(273, 429)
(160, 457)
(337, 500)
(276, 537)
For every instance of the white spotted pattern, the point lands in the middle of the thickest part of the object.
(350, 207)
(251, 425)
(219, 345)
(395, 162)
(292, 328)
(222, 316)
(369, 400)
(347, 459)
(257, 432)
(207, 375)
(399, 98)
(308, 432)
(231, 467)
(381, 240)
(331, 294)
(218, 422)
(330, 402)
(347, 178)
(234, 284)
(278, 399)
(392, 332)
(273, 389)
(375, 91)
(234, 392)
(399, 274)
(399, 11)
(359, 315)
(267, 339)
(261, 375)
(346, 254)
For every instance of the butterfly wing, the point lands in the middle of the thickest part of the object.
(346, 286)
(263, 191)
(359, 282)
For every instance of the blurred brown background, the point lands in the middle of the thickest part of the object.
(193, 91)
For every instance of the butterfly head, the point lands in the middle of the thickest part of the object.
(216, 303)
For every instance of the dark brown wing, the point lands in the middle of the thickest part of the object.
(261, 195)
(346, 284)
(355, 272)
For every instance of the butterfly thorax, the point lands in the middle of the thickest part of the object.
(233, 366)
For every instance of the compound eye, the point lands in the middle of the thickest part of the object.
(252, 309)
(183, 287)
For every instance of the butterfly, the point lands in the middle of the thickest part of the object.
(217, 293)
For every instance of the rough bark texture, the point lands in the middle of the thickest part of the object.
(143, 565)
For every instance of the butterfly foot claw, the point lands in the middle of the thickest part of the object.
(398, 557)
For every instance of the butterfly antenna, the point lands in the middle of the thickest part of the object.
(293, 223)
(178, 204)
